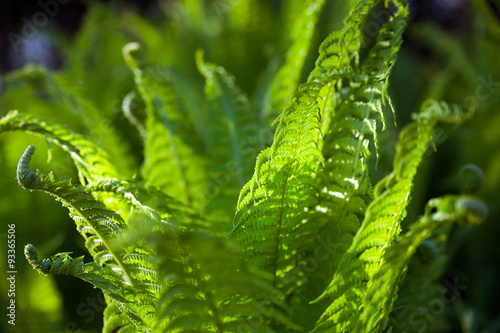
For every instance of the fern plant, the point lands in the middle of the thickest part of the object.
(217, 233)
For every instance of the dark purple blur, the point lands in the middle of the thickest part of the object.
(22, 26)
(18, 18)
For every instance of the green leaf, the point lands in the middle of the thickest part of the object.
(381, 292)
(287, 78)
(234, 145)
(173, 151)
(133, 269)
(92, 162)
(207, 295)
(382, 221)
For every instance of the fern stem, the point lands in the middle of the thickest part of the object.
(280, 223)
(212, 307)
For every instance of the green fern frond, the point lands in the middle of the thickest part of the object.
(382, 221)
(173, 151)
(167, 212)
(115, 321)
(131, 265)
(340, 52)
(207, 295)
(318, 246)
(58, 87)
(269, 214)
(92, 162)
(96, 223)
(137, 306)
(347, 141)
(63, 264)
(129, 105)
(420, 284)
(138, 197)
(287, 78)
(234, 140)
(267, 227)
(291, 12)
(381, 292)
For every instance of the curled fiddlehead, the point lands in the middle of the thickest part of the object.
(25, 177)
(427, 252)
(472, 178)
(60, 263)
(473, 210)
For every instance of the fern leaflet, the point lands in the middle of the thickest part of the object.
(382, 288)
(234, 143)
(223, 295)
(171, 140)
(381, 223)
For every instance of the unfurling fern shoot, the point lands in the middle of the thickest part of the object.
(61, 263)
(472, 178)
(472, 209)
(25, 177)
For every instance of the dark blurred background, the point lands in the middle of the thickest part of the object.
(13, 16)
(452, 15)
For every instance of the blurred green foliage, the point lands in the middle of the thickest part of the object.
(250, 39)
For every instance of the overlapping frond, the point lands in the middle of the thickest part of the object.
(165, 212)
(234, 138)
(207, 295)
(382, 289)
(173, 152)
(271, 206)
(420, 284)
(287, 78)
(129, 300)
(92, 162)
(155, 241)
(63, 89)
(338, 99)
(115, 321)
(381, 223)
(357, 97)
(101, 228)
